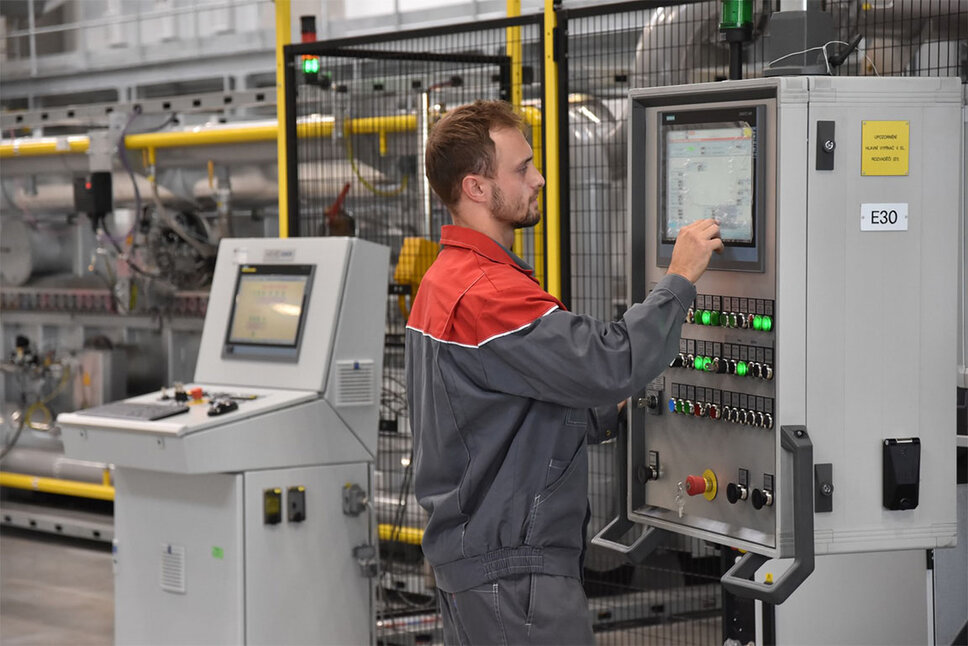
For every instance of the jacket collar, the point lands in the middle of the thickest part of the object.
(465, 238)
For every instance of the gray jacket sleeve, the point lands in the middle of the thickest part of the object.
(578, 361)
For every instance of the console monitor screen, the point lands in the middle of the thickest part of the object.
(268, 311)
(708, 171)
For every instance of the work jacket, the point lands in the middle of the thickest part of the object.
(504, 387)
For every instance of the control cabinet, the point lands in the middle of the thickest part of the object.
(832, 309)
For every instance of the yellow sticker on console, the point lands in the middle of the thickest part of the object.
(885, 147)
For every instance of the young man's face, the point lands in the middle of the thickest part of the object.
(516, 183)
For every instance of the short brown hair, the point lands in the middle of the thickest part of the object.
(460, 144)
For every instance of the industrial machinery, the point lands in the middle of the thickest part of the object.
(241, 507)
(808, 411)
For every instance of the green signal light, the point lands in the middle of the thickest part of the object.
(741, 369)
(697, 363)
(757, 322)
(706, 317)
(310, 65)
(707, 364)
(714, 318)
(767, 324)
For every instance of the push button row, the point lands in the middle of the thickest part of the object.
(756, 369)
(715, 318)
(731, 414)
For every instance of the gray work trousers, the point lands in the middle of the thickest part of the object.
(519, 609)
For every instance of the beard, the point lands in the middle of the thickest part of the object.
(520, 214)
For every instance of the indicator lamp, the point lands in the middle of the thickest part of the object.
(767, 323)
(697, 363)
(714, 318)
(741, 369)
(757, 322)
(310, 65)
(706, 317)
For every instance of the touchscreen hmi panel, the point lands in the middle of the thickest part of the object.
(708, 167)
(268, 312)
(709, 174)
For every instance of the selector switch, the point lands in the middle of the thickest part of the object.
(736, 492)
(762, 498)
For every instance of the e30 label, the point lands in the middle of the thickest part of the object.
(883, 217)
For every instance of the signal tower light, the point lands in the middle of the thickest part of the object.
(307, 29)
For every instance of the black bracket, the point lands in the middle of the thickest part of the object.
(823, 488)
(825, 145)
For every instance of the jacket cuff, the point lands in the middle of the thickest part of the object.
(680, 286)
(605, 421)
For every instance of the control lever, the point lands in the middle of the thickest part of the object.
(738, 579)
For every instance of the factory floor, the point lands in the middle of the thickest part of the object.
(54, 590)
(58, 591)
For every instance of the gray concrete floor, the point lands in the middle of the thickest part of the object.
(54, 590)
(57, 591)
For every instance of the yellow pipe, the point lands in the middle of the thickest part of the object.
(28, 147)
(411, 535)
(283, 36)
(237, 135)
(58, 486)
(551, 173)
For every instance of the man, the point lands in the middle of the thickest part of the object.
(505, 386)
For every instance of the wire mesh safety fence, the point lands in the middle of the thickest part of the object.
(358, 113)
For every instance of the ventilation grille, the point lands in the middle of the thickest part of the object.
(173, 568)
(354, 383)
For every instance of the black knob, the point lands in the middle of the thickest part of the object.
(758, 499)
(735, 493)
(678, 361)
(762, 498)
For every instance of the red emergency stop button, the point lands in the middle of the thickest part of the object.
(695, 485)
(196, 393)
(704, 485)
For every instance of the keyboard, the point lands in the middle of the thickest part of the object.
(135, 411)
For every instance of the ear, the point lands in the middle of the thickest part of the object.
(474, 188)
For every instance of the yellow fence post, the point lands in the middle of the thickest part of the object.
(283, 36)
(551, 171)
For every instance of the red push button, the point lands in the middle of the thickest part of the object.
(695, 485)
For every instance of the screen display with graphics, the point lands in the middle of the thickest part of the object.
(709, 174)
(708, 169)
(268, 311)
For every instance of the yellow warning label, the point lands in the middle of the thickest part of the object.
(885, 147)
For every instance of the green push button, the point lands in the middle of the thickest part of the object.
(714, 318)
(741, 369)
(757, 322)
(767, 324)
(706, 317)
(697, 363)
